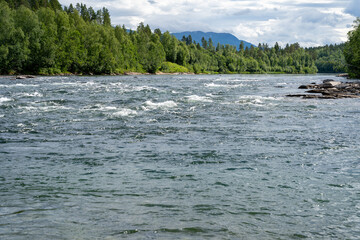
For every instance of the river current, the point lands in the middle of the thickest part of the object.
(177, 157)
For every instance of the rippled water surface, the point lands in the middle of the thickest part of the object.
(177, 157)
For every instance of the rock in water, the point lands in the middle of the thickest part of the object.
(330, 89)
(24, 76)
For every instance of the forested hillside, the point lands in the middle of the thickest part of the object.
(41, 37)
(329, 58)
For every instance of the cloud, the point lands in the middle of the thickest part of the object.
(309, 22)
(353, 8)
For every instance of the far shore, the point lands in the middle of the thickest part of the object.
(25, 76)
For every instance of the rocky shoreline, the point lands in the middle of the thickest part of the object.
(330, 89)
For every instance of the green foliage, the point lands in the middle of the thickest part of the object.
(329, 58)
(39, 37)
(169, 67)
(352, 51)
(35, 4)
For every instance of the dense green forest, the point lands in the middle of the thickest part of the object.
(329, 58)
(352, 51)
(41, 37)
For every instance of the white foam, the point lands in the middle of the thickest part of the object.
(223, 85)
(66, 83)
(91, 83)
(49, 78)
(260, 97)
(116, 84)
(53, 108)
(152, 120)
(244, 80)
(125, 112)
(34, 94)
(108, 108)
(43, 109)
(166, 104)
(196, 98)
(257, 100)
(27, 108)
(5, 99)
(142, 88)
(212, 85)
(24, 85)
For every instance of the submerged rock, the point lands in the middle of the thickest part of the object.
(346, 75)
(330, 89)
(24, 76)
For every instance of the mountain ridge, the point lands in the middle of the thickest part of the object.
(222, 38)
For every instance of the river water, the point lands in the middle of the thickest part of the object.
(177, 157)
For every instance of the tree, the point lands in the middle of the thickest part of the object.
(7, 29)
(55, 5)
(169, 43)
(241, 47)
(182, 56)
(45, 39)
(352, 51)
(211, 46)
(204, 43)
(106, 17)
(189, 40)
(277, 48)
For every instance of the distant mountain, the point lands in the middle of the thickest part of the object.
(222, 38)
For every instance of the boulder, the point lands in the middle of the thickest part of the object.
(330, 84)
(330, 89)
(343, 75)
(24, 76)
(306, 86)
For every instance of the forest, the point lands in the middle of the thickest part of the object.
(42, 37)
(329, 58)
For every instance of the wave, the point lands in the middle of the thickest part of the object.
(166, 104)
(66, 83)
(5, 99)
(223, 85)
(111, 110)
(43, 109)
(18, 85)
(107, 108)
(124, 113)
(256, 100)
(34, 94)
(145, 88)
(196, 98)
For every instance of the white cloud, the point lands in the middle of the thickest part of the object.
(309, 22)
(353, 8)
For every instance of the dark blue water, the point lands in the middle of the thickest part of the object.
(177, 157)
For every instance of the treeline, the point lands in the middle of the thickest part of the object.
(329, 58)
(41, 37)
(352, 51)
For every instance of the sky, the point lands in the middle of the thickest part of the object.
(308, 22)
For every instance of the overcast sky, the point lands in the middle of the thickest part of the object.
(309, 22)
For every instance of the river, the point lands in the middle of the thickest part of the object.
(177, 157)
